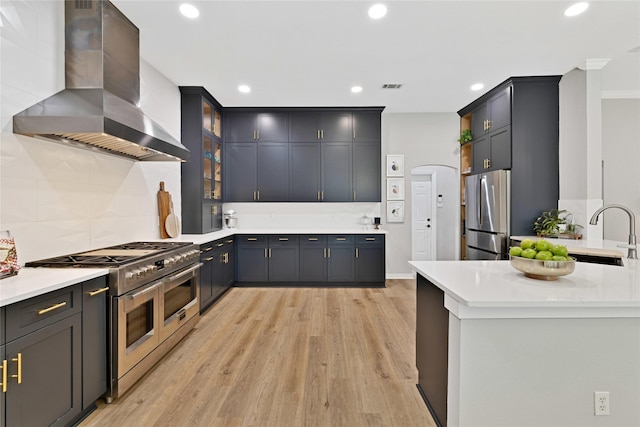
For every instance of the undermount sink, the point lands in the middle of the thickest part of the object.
(595, 259)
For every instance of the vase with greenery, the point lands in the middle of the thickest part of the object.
(465, 136)
(548, 223)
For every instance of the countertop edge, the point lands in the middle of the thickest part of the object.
(32, 282)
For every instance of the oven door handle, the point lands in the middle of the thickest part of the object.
(184, 273)
(135, 295)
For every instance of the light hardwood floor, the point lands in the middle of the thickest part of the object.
(286, 357)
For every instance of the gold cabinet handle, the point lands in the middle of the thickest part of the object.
(357, 253)
(313, 239)
(258, 134)
(207, 249)
(98, 291)
(265, 253)
(322, 192)
(4, 376)
(230, 241)
(252, 239)
(318, 133)
(324, 252)
(283, 239)
(269, 252)
(321, 133)
(354, 133)
(18, 361)
(354, 195)
(371, 239)
(53, 307)
(329, 253)
(219, 245)
(341, 238)
(318, 194)
(488, 163)
(226, 258)
(209, 259)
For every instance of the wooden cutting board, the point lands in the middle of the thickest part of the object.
(164, 209)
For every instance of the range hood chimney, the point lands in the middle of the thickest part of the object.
(98, 109)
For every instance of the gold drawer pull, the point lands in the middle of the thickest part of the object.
(53, 307)
(208, 259)
(219, 245)
(206, 249)
(371, 239)
(341, 238)
(313, 239)
(283, 239)
(98, 291)
(18, 361)
(4, 376)
(230, 241)
(252, 239)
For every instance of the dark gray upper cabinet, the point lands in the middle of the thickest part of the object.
(273, 172)
(366, 126)
(518, 124)
(240, 172)
(336, 171)
(366, 176)
(251, 126)
(201, 184)
(302, 155)
(304, 171)
(329, 126)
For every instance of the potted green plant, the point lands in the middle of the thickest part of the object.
(465, 136)
(548, 223)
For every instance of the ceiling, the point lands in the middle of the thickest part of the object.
(310, 53)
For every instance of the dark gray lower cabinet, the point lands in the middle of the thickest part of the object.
(55, 349)
(313, 258)
(370, 259)
(283, 255)
(94, 340)
(335, 259)
(340, 258)
(217, 271)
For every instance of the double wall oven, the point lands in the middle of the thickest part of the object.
(153, 302)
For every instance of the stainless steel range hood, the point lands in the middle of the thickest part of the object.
(98, 109)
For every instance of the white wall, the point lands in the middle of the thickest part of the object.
(57, 199)
(424, 139)
(621, 156)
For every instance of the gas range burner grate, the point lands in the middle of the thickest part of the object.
(113, 256)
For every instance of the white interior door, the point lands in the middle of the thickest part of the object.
(422, 221)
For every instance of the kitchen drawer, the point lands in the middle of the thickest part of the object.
(32, 314)
(283, 239)
(252, 239)
(368, 239)
(340, 239)
(313, 240)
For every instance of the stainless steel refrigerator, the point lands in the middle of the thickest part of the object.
(487, 214)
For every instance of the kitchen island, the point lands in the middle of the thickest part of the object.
(495, 348)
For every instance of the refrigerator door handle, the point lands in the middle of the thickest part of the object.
(481, 183)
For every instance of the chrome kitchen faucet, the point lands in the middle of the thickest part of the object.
(632, 254)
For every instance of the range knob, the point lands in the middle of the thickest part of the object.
(130, 275)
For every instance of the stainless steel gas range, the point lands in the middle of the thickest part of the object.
(153, 302)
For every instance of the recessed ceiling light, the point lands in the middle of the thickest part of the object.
(576, 8)
(477, 86)
(190, 11)
(244, 88)
(356, 89)
(377, 11)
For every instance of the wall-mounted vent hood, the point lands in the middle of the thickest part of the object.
(98, 109)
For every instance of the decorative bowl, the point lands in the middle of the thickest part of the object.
(542, 270)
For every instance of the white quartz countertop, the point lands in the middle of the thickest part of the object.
(592, 290)
(597, 247)
(226, 232)
(31, 282)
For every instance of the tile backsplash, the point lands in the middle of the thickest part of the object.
(57, 199)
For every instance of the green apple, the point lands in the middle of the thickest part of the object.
(544, 256)
(559, 250)
(515, 251)
(542, 245)
(529, 253)
(526, 244)
(560, 258)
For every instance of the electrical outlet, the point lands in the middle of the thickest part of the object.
(601, 402)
